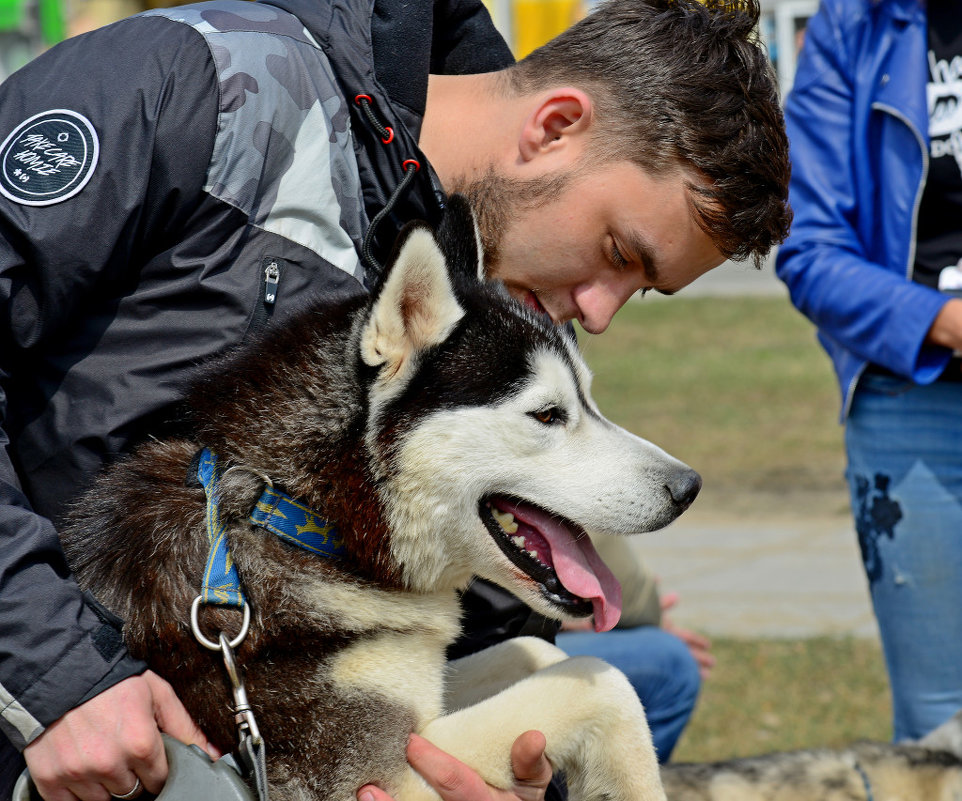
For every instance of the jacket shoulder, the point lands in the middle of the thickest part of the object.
(282, 115)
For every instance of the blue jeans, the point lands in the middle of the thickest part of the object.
(904, 446)
(660, 668)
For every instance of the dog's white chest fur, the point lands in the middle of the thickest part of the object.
(408, 669)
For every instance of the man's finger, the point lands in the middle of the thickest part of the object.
(528, 760)
(450, 778)
(371, 792)
(128, 789)
(532, 770)
(146, 760)
(172, 717)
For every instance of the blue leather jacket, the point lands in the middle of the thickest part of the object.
(858, 127)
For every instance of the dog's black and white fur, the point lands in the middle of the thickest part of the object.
(447, 432)
(927, 770)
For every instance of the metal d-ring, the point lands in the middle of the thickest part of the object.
(210, 644)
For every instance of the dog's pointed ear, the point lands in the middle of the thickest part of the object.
(416, 306)
(460, 240)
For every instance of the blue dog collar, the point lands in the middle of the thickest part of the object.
(274, 511)
(221, 584)
(297, 524)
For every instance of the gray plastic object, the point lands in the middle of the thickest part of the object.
(192, 776)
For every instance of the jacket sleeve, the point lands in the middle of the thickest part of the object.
(143, 93)
(879, 315)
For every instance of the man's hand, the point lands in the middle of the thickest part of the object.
(455, 781)
(108, 744)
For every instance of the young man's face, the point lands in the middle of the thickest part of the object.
(605, 235)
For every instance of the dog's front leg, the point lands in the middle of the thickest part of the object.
(591, 717)
(471, 679)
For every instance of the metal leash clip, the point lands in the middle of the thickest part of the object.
(243, 714)
(251, 753)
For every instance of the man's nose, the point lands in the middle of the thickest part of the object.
(598, 302)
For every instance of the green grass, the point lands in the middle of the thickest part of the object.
(779, 695)
(736, 387)
(739, 389)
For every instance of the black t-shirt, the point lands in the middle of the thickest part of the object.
(939, 234)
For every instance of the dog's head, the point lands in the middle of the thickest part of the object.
(490, 456)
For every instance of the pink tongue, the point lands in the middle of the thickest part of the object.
(576, 562)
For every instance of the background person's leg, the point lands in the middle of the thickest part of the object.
(904, 447)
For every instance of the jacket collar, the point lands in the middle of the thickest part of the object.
(904, 42)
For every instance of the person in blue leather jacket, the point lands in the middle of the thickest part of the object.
(873, 259)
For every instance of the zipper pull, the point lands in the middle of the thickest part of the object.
(272, 276)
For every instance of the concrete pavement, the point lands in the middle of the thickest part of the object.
(739, 278)
(751, 577)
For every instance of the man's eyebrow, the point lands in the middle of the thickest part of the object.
(642, 251)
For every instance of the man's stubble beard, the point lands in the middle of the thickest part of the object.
(497, 201)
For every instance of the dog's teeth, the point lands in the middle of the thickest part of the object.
(519, 541)
(533, 555)
(505, 520)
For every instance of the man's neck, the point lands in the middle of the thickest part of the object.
(468, 125)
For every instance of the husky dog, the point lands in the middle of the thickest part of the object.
(927, 770)
(445, 431)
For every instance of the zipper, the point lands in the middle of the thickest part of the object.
(910, 261)
(270, 279)
(272, 276)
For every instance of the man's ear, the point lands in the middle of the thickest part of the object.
(415, 308)
(556, 120)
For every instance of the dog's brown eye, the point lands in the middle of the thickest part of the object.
(548, 416)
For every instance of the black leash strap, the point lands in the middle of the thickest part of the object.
(253, 761)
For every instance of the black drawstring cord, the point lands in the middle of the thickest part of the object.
(367, 253)
(411, 166)
(386, 132)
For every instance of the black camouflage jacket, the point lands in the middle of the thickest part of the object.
(168, 183)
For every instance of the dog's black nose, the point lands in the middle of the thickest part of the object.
(683, 486)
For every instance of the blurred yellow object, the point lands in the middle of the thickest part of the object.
(86, 15)
(536, 21)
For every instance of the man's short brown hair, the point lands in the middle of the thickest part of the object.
(682, 82)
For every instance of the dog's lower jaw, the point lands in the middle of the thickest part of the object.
(541, 575)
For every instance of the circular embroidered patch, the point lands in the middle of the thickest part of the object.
(48, 158)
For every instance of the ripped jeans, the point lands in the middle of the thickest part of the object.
(904, 446)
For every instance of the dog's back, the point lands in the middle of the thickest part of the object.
(865, 771)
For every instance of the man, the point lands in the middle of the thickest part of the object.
(172, 181)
